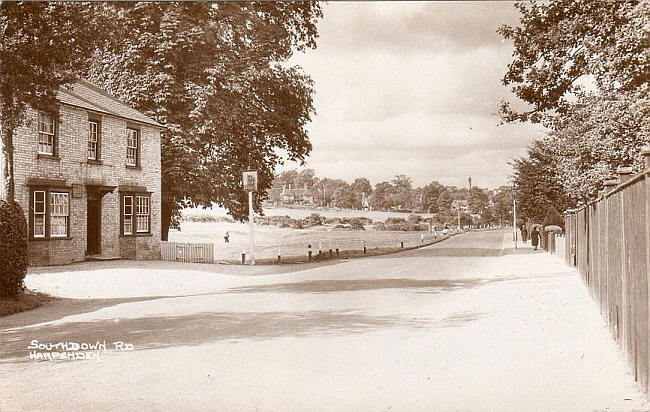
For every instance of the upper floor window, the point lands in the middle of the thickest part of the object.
(46, 133)
(93, 140)
(131, 147)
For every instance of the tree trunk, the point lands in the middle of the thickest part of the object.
(8, 167)
(166, 215)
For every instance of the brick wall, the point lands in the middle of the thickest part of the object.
(73, 167)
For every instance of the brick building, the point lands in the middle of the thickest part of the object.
(87, 174)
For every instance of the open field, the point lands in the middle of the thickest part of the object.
(375, 215)
(270, 240)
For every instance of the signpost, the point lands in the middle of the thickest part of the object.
(250, 185)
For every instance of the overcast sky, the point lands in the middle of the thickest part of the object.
(412, 88)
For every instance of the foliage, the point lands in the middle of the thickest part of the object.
(553, 217)
(215, 75)
(356, 224)
(313, 219)
(584, 68)
(536, 182)
(560, 43)
(45, 45)
(13, 249)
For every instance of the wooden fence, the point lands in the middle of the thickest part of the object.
(187, 252)
(609, 242)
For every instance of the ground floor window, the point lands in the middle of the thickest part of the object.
(143, 214)
(49, 214)
(136, 213)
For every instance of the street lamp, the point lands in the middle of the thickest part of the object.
(514, 215)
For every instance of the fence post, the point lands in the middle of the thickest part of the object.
(337, 248)
(279, 254)
(320, 248)
(309, 251)
(402, 244)
(243, 257)
(645, 152)
(364, 247)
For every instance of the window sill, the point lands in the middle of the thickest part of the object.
(43, 239)
(133, 167)
(48, 156)
(94, 162)
(137, 235)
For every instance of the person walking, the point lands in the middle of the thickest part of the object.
(524, 233)
(534, 237)
(226, 237)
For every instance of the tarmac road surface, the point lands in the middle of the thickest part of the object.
(468, 324)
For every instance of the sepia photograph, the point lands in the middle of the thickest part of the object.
(302, 206)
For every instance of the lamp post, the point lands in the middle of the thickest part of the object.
(514, 216)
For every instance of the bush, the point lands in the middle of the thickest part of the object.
(395, 220)
(379, 226)
(413, 218)
(13, 249)
(313, 220)
(356, 224)
(406, 227)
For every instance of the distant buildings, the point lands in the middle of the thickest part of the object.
(460, 205)
(288, 196)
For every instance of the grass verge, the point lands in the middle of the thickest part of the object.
(24, 301)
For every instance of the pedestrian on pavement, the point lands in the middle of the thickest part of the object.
(534, 237)
(226, 237)
(524, 233)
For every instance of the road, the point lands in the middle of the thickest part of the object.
(468, 324)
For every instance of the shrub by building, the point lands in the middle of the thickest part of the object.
(13, 249)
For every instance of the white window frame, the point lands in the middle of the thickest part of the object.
(59, 210)
(40, 214)
(131, 147)
(143, 214)
(93, 140)
(46, 138)
(127, 215)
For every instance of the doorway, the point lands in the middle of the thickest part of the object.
(94, 223)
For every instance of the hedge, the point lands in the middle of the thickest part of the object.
(13, 249)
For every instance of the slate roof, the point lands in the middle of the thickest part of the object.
(88, 96)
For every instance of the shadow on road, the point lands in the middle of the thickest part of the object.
(345, 285)
(196, 329)
(446, 251)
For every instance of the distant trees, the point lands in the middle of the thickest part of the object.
(484, 207)
(583, 67)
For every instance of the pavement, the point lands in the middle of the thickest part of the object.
(469, 324)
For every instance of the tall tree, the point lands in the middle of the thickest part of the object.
(45, 45)
(215, 74)
(583, 67)
(430, 195)
(305, 178)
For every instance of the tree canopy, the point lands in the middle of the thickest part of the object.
(583, 68)
(45, 45)
(215, 75)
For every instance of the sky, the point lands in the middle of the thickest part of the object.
(412, 88)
